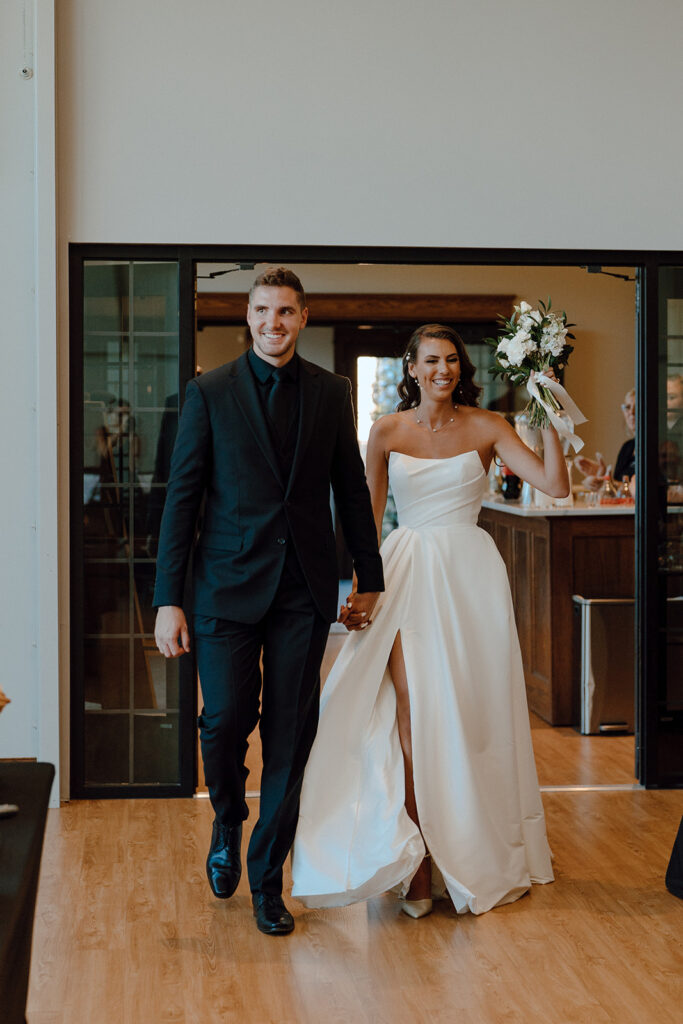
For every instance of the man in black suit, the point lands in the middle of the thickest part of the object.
(263, 438)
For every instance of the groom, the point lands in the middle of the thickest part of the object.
(262, 439)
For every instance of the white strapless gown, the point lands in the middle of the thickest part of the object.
(475, 780)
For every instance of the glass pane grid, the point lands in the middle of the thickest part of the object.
(139, 333)
(670, 532)
(118, 636)
(131, 400)
(119, 561)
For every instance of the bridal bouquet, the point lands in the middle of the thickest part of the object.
(531, 341)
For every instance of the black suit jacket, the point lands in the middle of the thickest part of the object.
(224, 451)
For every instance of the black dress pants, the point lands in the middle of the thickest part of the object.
(292, 637)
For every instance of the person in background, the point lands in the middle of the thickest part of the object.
(671, 448)
(674, 413)
(674, 403)
(594, 469)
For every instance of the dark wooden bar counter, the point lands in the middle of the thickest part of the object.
(550, 555)
(21, 842)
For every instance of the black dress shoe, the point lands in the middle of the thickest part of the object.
(223, 865)
(272, 916)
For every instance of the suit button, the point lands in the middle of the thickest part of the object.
(281, 540)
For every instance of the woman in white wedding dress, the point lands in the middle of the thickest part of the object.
(422, 773)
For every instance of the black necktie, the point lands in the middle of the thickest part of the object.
(278, 403)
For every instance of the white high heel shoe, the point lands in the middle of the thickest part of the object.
(416, 908)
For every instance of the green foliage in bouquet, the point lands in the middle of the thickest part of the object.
(532, 340)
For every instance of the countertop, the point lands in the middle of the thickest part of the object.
(515, 508)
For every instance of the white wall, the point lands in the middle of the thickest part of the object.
(533, 123)
(497, 123)
(29, 726)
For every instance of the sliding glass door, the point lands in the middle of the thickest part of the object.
(664, 716)
(127, 708)
(132, 344)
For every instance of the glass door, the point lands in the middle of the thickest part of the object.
(666, 717)
(132, 350)
(127, 715)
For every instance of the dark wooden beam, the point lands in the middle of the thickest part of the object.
(329, 308)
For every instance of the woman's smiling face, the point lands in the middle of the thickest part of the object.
(437, 368)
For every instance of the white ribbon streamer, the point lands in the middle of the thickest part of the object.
(564, 427)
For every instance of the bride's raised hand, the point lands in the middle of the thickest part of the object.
(548, 474)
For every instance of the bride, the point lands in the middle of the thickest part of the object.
(422, 774)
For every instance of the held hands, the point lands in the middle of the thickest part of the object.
(355, 614)
(171, 627)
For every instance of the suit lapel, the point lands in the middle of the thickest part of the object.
(308, 410)
(247, 398)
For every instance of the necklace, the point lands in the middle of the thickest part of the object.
(435, 430)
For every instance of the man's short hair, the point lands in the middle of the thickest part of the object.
(279, 277)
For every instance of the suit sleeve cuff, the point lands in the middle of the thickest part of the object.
(370, 578)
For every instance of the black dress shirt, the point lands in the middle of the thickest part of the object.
(284, 442)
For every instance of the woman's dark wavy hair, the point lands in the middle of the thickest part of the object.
(466, 393)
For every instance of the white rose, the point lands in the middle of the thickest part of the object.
(553, 339)
(524, 339)
(553, 345)
(516, 351)
(523, 307)
(536, 316)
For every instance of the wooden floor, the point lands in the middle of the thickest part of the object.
(566, 758)
(127, 931)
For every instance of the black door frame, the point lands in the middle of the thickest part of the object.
(186, 668)
(646, 264)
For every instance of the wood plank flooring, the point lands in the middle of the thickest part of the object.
(566, 758)
(127, 931)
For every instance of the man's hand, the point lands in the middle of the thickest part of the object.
(171, 626)
(355, 614)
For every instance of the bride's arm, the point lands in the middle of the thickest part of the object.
(549, 474)
(377, 470)
(356, 613)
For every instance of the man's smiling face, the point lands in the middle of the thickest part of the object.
(275, 319)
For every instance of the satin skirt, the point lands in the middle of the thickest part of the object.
(476, 787)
